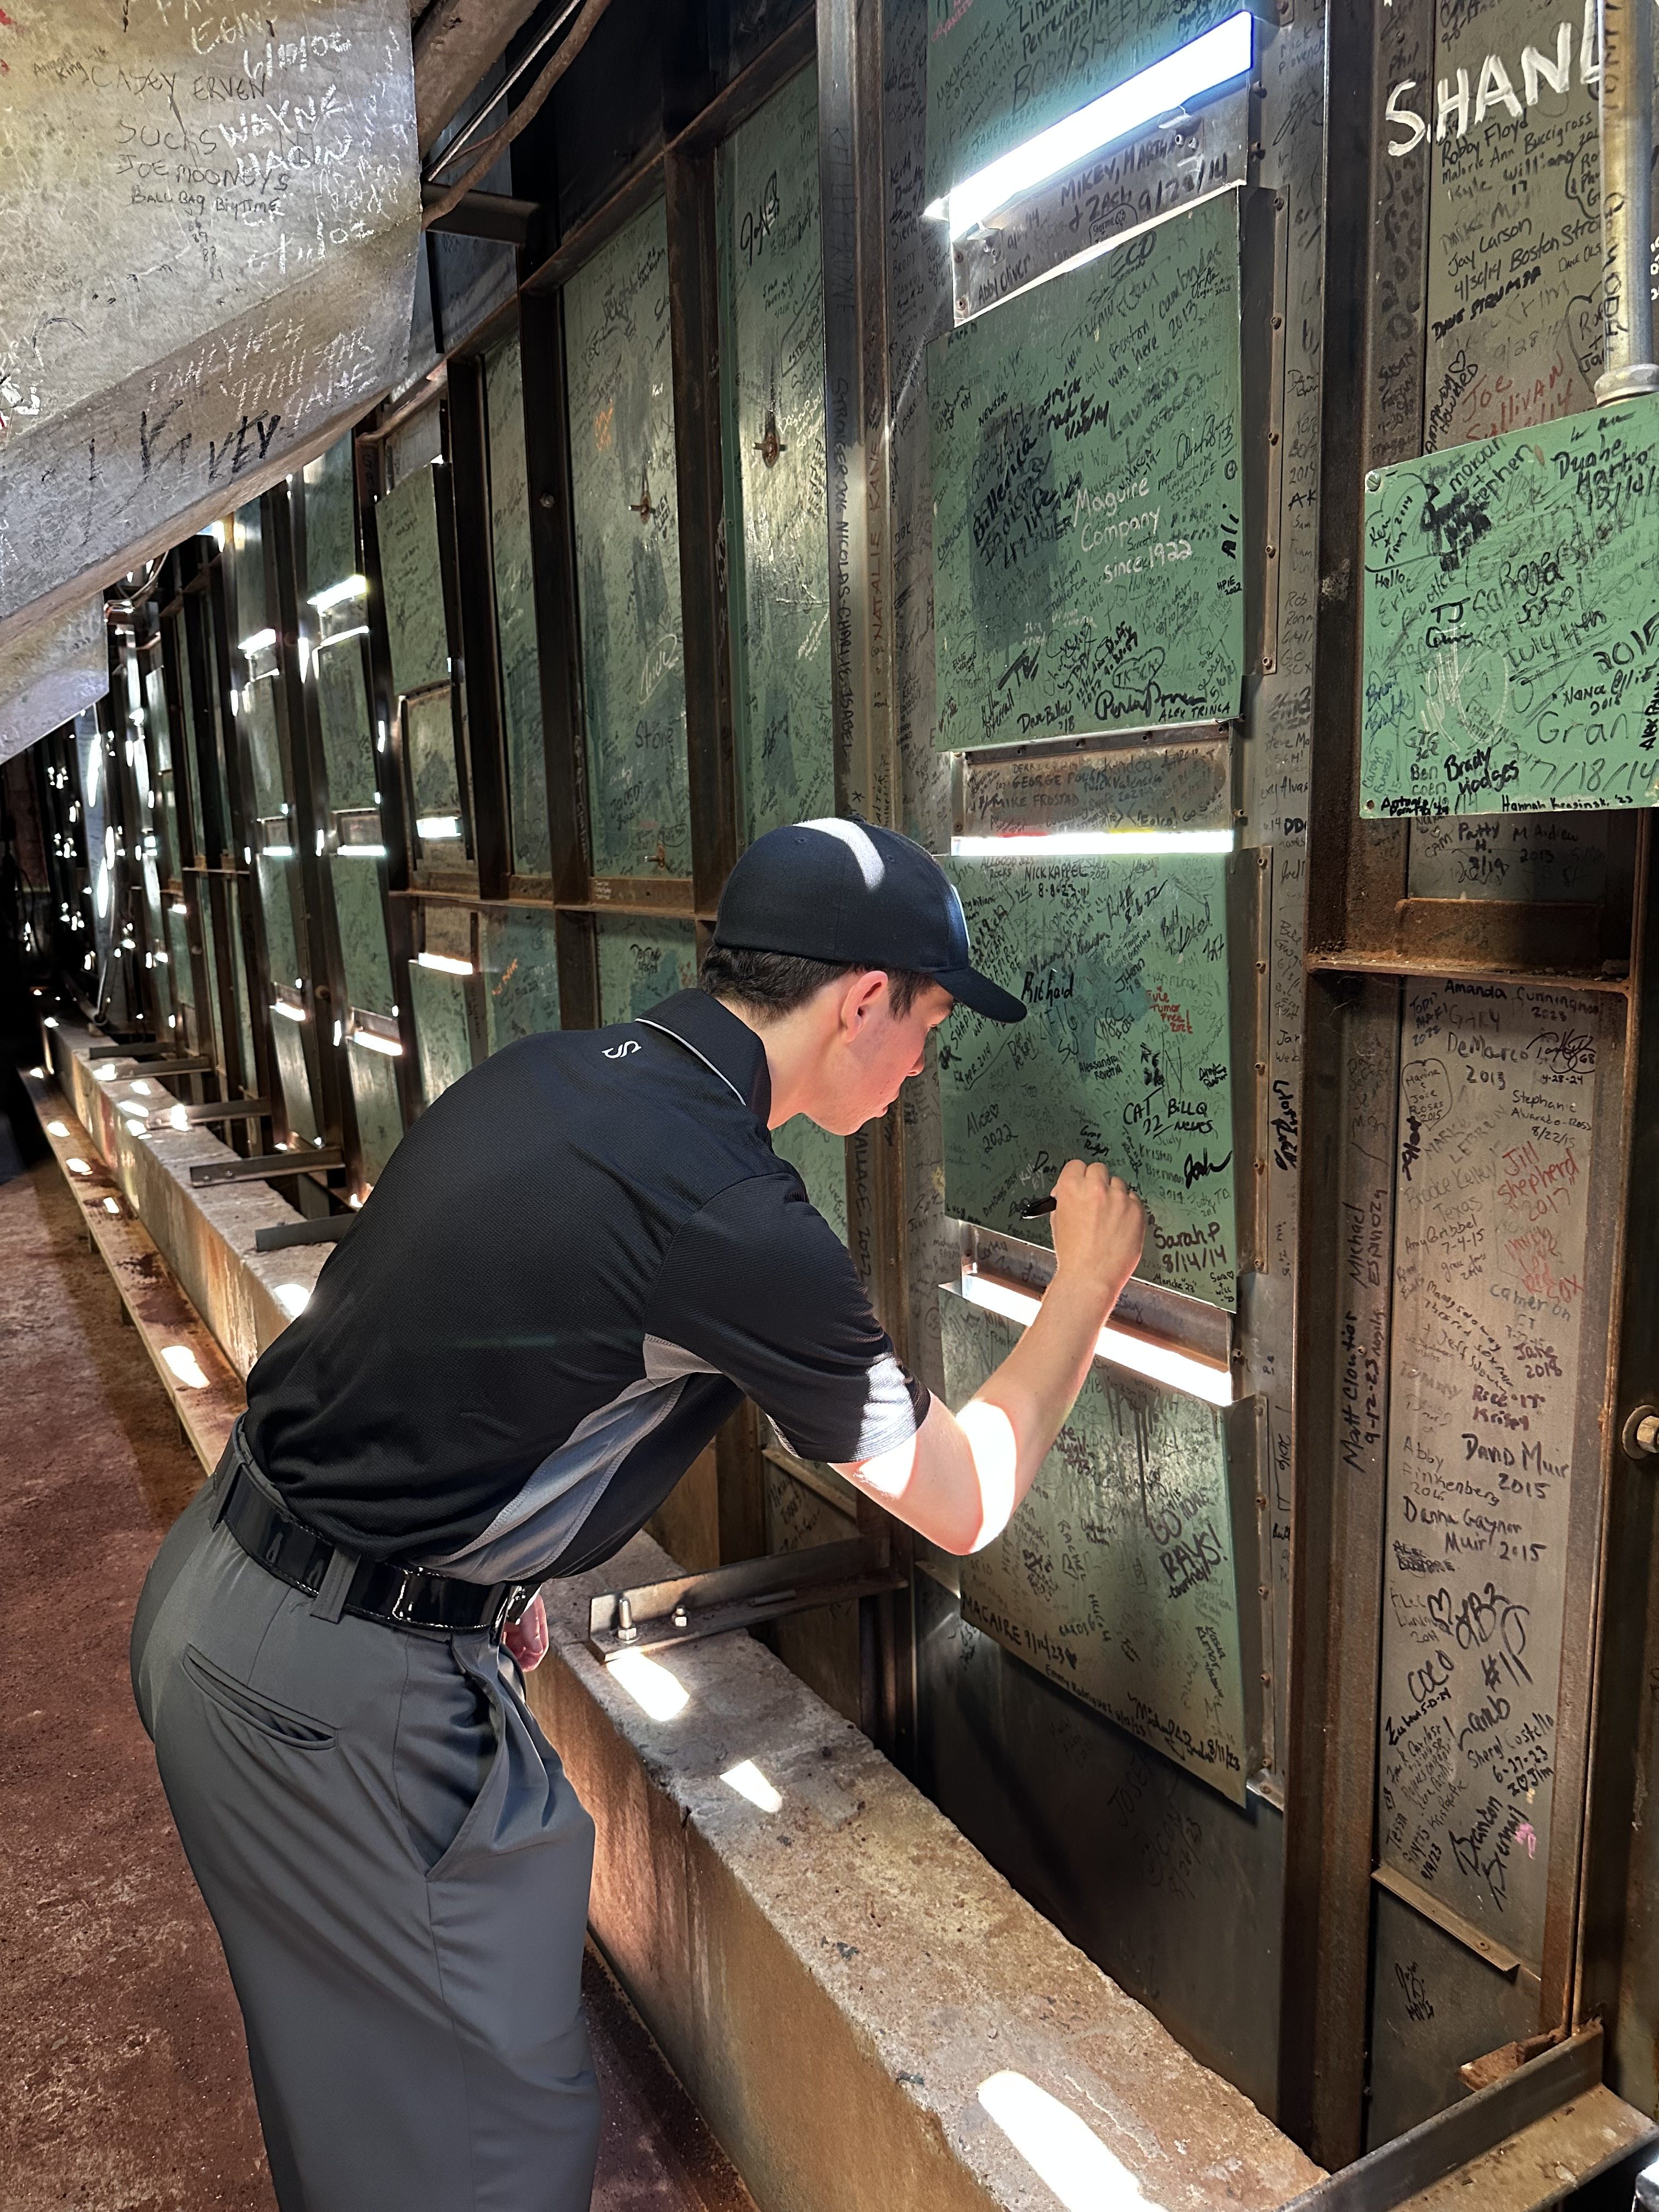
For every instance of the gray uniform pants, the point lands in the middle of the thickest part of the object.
(398, 1870)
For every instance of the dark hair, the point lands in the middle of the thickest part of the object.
(778, 982)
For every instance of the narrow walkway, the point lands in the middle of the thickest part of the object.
(124, 2086)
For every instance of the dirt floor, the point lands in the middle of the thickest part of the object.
(124, 2084)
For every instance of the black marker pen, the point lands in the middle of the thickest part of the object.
(1035, 1206)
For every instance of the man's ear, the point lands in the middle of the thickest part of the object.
(864, 992)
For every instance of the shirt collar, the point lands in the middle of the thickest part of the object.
(721, 1041)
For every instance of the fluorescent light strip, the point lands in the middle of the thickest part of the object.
(261, 642)
(1157, 1362)
(370, 1043)
(359, 851)
(348, 587)
(334, 636)
(1085, 844)
(444, 965)
(438, 826)
(1201, 67)
(289, 1013)
(276, 852)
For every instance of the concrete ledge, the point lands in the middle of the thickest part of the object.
(205, 1389)
(205, 1236)
(835, 1981)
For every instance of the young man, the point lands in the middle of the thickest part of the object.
(575, 1264)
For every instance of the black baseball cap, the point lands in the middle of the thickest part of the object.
(847, 892)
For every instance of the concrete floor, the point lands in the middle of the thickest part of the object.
(124, 2084)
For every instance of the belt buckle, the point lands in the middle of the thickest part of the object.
(514, 1598)
(401, 1600)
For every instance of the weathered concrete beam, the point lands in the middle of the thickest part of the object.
(211, 266)
(49, 673)
(863, 2009)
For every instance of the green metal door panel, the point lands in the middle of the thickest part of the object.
(293, 1075)
(328, 492)
(361, 915)
(429, 742)
(182, 977)
(348, 731)
(443, 1034)
(642, 963)
(1512, 646)
(820, 1160)
(170, 860)
(379, 1117)
(207, 1015)
(521, 974)
(515, 612)
(1087, 458)
(336, 629)
(628, 553)
(1000, 71)
(411, 579)
(1125, 1055)
(1118, 1577)
(257, 712)
(772, 372)
(240, 985)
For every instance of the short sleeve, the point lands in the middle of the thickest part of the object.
(757, 1285)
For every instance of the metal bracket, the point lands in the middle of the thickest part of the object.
(213, 1109)
(280, 1234)
(184, 1065)
(655, 1616)
(265, 1167)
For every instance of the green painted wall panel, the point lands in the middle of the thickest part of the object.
(820, 1160)
(1088, 552)
(772, 369)
(1117, 1578)
(642, 963)
(627, 563)
(515, 612)
(442, 1036)
(1512, 646)
(380, 1118)
(362, 918)
(331, 557)
(411, 578)
(521, 976)
(1125, 1055)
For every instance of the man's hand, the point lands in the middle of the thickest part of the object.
(527, 1638)
(961, 1477)
(1099, 1227)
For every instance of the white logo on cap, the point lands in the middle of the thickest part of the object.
(860, 843)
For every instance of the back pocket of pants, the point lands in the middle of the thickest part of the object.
(281, 1723)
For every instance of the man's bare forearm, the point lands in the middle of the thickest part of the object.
(960, 1480)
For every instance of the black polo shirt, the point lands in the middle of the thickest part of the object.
(574, 1265)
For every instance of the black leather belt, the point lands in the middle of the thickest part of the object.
(400, 1597)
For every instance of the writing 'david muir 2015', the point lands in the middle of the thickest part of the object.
(1492, 1172)
(1088, 515)
(1123, 1057)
